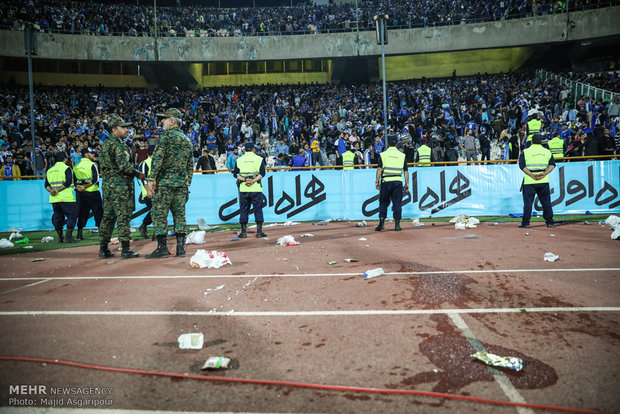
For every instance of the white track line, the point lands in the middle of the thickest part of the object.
(307, 313)
(503, 381)
(25, 286)
(439, 272)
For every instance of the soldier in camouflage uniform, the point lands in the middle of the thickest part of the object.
(117, 172)
(170, 178)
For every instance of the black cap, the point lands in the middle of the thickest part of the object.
(249, 146)
(392, 139)
(537, 139)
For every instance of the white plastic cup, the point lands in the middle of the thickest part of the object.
(191, 341)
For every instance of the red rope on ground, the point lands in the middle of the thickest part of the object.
(299, 384)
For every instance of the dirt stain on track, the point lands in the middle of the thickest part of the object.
(430, 290)
(450, 352)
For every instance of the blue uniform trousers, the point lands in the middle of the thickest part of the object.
(391, 190)
(250, 198)
(529, 193)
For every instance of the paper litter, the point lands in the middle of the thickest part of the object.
(216, 363)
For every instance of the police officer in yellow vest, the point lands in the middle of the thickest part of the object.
(390, 169)
(423, 155)
(536, 162)
(87, 186)
(59, 183)
(249, 171)
(147, 193)
(348, 159)
(556, 146)
(533, 126)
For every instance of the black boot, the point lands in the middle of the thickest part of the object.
(79, 235)
(61, 238)
(104, 251)
(69, 237)
(180, 245)
(162, 249)
(397, 225)
(380, 226)
(142, 230)
(243, 233)
(259, 230)
(126, 252)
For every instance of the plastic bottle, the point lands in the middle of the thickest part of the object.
(373, 273)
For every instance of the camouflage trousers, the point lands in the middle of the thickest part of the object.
(169, 199)
(117, 208)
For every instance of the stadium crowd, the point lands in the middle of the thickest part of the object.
(312, 125)
(64, 16)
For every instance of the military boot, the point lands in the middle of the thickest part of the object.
(162, 249)
(243, 233)
(142, 230)
(104, 251)
(61, 238)
(126, 252)
(259, 230)
(380, 226)
(69, 237)
(397, 225)
(79, 235)
(180, 245)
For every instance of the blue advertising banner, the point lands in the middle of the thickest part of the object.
(485, 190)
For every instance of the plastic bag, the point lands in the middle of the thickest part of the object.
(202, 225)
(613, 222)
(47, 239)
(195, 237)
(5, 243)
(16, 235)
(285, 239)
(459, 226)
(210, 259)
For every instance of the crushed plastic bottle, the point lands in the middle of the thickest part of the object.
(373, 273)
(550, 257)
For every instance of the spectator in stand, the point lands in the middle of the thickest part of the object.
(299, 160)
(40, 163)
(9, 171)
(607, 146)
(281, 148)
(231, 161)
(590, 144)
(142, 152)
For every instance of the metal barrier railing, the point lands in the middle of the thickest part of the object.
(370, 166)
(579, 89)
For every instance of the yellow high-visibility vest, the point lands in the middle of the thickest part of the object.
(536, 160)
(393, 165)
(84, 174)
(348, 160)
(424, 156)
(56, 178)
(249, 167)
